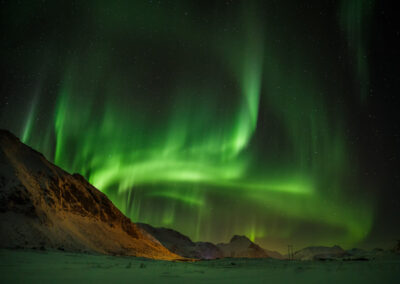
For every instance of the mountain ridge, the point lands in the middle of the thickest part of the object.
(238, 246)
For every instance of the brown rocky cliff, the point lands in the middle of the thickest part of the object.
(42, 205)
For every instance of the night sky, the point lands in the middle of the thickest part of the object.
(271, 119)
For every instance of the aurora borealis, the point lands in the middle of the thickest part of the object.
(214, 119)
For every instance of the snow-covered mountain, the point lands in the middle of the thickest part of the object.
(42, 206)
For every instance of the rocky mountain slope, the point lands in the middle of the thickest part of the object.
(42, 206)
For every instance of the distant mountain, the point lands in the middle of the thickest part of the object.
(42, 206)
(320, 253)
(181, 244)
(241, 246)
(362, 254)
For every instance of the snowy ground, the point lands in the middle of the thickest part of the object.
(24, 266)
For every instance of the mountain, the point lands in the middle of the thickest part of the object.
(362, 254)
(241, 246)
(42, 206)
(320, 253)
(181, 244)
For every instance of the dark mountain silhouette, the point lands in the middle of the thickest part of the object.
(241, 246)
(181, 244)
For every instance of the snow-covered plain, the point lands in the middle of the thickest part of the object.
(34, 266)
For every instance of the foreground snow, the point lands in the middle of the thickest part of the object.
(23, 266)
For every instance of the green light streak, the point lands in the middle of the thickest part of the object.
(27, 131)
(355, 16)
(189, 200)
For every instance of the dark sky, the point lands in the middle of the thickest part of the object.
(271, 119)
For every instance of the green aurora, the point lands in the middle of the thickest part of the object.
(236, 134)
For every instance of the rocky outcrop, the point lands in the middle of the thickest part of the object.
(42, 206)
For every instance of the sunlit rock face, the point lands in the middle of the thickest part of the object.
(42, 206)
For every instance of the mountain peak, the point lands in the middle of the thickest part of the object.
(241, 246)
(238, 238)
